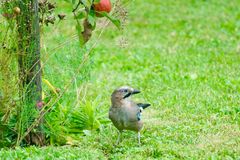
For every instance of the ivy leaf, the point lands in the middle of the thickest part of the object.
(115, 21)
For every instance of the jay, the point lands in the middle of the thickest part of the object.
(124, 113)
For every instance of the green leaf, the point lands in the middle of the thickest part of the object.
(68, 1)
(87, 3)
(92, 18)
(80, 15)
(73, 2)
(115, 21)
(80, 37)
(96, 1)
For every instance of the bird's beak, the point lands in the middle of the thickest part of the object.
(135, 91)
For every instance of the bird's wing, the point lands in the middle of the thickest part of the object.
(133, 112)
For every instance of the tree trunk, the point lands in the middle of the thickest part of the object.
(29, 69)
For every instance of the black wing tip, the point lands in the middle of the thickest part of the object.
(143, 105)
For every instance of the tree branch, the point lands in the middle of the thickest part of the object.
(79, 2)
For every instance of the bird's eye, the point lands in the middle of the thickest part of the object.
(125, 90)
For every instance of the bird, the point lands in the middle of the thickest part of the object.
(124, 113)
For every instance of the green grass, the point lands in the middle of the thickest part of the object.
(185, 58)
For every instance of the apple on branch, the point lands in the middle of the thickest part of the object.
(102, 6)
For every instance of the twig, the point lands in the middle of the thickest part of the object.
(79, 2)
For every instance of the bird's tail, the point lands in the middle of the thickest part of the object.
(143, 106)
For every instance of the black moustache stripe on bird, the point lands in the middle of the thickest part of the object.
(124, 113)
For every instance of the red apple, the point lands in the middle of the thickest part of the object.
(102, 6)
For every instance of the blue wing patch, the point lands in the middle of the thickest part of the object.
(139, 116)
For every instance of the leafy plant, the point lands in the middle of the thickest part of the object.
(86, 117)
(84, 12)
(65, 123)
(21, 115)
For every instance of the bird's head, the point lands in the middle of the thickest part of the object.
(123, 92)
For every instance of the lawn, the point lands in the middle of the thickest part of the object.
(185, 58)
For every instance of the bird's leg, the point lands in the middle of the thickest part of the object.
(139, 136)
(119, 137)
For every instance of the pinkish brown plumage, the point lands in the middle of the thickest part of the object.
(124, 113)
